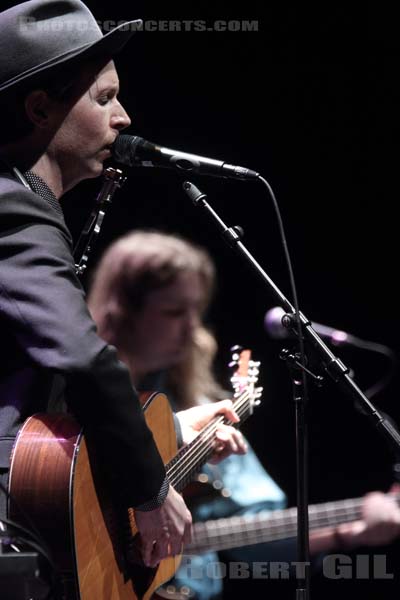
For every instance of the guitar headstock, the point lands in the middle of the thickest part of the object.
(245, 376)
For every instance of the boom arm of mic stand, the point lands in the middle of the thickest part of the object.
(333, 365)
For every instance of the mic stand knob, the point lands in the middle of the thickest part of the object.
(239, 230)
(293, 361)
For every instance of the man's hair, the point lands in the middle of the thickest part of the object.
(133, 267)
(15, 124)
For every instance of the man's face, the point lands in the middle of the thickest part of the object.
(83, 141)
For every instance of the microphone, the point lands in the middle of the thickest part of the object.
(134, 151)
(273, 326)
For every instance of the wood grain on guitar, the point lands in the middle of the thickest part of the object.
(55, 478)
(58, 483)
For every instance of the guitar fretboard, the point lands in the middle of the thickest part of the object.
(188, 461)
(237, 531)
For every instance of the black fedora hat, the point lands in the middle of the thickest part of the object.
(39, 37)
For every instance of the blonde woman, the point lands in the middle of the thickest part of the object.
(148, 298)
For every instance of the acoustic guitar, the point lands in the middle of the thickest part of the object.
(55, 478)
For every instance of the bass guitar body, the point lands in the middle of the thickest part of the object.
(56, 480)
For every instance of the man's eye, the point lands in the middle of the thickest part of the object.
(103, 100)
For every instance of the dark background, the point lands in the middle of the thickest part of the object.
(310, 101)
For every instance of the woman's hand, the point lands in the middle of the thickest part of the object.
(380, 525)
(228, 439)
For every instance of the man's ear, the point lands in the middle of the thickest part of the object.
(40, 108)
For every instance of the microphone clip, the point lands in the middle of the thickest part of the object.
(289, 322)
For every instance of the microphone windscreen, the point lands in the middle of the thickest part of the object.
(273, 323)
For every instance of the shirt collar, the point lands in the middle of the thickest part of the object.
(35, 183)
(40, 187)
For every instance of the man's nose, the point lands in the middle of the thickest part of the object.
(120, 119)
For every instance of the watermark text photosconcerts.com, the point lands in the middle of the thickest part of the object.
(199, 25)
(148, 25)
(334, 566)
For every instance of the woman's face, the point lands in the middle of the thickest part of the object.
(162, 330)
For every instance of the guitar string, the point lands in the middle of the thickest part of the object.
(239, 406)
(265, 529)
(253, 538)
(263, 526)
(204, 438)
(202, 445)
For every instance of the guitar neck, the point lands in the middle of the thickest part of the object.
(188, 461)
(238, 531)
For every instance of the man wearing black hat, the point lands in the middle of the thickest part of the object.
(59, 115)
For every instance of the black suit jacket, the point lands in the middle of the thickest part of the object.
(46, 330)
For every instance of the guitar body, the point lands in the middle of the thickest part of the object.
(55, 480)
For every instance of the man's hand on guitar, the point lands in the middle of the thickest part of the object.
(164, 530)
(228, 439)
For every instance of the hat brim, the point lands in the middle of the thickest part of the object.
(109, 45)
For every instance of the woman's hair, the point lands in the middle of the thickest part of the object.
(130, 269)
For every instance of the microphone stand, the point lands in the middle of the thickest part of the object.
(332, 365)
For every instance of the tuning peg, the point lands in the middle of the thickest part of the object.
(236, 348)
(236, 377)
(254, 363)
(233, 363)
